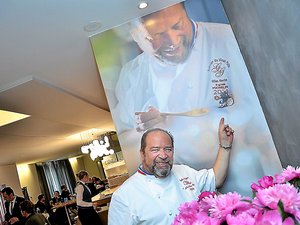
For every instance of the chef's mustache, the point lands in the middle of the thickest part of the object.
(160, 160)
(170, 48)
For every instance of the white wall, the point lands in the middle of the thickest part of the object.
(9, 177)
(29, 178)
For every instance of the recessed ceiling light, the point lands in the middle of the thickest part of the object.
(143, 5)
(92, 26)
(7, 117)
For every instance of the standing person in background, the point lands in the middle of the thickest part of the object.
(32, 218)
(86, 209)
(12, 202)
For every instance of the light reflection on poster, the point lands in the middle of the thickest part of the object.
(167, 62)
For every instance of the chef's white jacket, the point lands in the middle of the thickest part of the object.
(145, 199)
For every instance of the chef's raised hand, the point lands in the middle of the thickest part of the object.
(225, 135)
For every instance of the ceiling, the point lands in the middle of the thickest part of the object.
(47, 70)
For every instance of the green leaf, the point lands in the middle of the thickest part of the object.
(283, 214)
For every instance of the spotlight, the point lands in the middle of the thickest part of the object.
(143, 5)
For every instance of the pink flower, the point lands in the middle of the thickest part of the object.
(272, 217)
(205, 201)
(288, 174)
(243, 218)
(230, 203)
(203, 219)
(205, 194)
(286, 193)
(265, 182)
(188, 212)
(276, 203)
(189, 206)
(195, 219)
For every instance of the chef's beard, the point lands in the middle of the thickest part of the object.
(162, 172)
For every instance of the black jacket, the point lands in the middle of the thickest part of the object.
(16, 212)
(42, 207)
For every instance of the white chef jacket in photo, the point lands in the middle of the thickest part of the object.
(213, 77)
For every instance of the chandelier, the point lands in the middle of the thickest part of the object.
(97, 147)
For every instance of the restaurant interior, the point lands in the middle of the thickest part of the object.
(53, 104)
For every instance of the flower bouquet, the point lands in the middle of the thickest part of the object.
(276, 201)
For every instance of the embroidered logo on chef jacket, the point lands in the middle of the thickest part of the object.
(219, 82)
(187, 183)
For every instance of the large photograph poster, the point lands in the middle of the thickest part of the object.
(170, 70)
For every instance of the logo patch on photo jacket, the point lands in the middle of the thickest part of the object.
(220, 88)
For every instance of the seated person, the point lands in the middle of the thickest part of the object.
(41, 205)
(65, 193)
(56, 199)
(59, 212)
(32, 218)
(100, 185)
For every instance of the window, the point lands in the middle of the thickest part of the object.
(53, 174)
